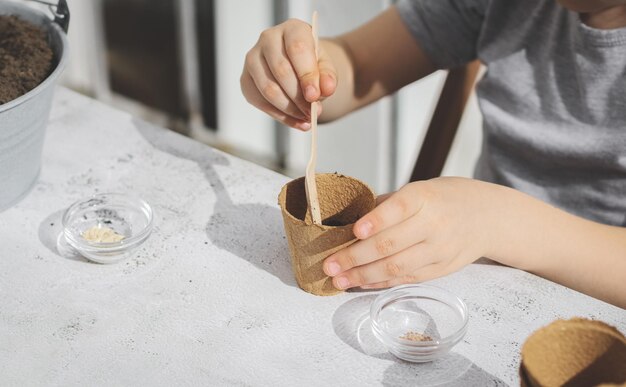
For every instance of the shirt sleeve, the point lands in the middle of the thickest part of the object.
(447, 30)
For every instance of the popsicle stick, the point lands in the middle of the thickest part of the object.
(309, 179)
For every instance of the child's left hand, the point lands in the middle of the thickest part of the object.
(425, 230)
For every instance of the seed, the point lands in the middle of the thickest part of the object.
(414, 336)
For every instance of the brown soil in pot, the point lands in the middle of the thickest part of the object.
(26, 59)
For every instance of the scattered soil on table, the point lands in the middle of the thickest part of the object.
(25, 57)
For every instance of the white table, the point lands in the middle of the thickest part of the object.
(209, 299)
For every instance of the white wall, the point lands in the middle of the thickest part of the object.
(238, 25)
(358, 145)
(239, 125)
(416, 103)
(86, 69)
(466, 146)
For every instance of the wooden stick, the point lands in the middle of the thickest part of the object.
(309, 179)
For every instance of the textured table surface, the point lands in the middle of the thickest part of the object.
(209, 298)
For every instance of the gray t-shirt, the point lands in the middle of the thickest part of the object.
(553, 97)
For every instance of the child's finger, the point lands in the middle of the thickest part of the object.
(386, 243)
(328, 75)
(396, 266)
(398, 207)
(254, 97)
(300, 49)
(383, 197)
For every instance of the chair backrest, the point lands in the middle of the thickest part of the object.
(445, 121)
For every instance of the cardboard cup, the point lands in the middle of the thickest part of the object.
(343, 200)
(576, 352)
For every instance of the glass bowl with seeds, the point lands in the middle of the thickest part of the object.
(105, 227)
(418, 323)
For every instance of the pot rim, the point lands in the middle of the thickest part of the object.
(283, 193)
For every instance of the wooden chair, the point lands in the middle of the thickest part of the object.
(445, 121)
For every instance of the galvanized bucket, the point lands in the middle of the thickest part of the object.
(23, 120)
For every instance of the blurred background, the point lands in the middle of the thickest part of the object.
(177, 63)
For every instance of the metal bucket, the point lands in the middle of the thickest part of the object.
(23, 120)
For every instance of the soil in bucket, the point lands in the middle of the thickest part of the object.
(26, 58)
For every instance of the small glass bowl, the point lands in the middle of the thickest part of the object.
(418, 323)
(128, 216)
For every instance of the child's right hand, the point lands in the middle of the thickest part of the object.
(282, 76)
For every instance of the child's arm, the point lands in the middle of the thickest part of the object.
(431, 228)
(281, 75)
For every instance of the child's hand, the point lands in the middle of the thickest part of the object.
(425, 230)
(281, 75)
